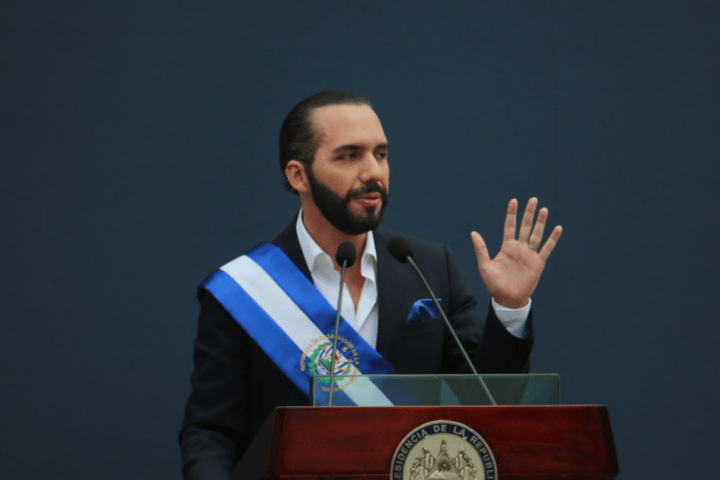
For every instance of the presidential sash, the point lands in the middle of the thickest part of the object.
(290, 320)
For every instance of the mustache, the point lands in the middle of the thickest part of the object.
(370, 188)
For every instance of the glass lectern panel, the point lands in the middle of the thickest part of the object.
(427, 390)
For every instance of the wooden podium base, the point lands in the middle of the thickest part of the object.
(358, 443)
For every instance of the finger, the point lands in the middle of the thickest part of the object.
(527, 220)
(481, 251)
(510, 219)
(538, 229)
(550, 244)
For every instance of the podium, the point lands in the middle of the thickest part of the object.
(509, 442)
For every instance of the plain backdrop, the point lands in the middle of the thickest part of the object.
(138, 145)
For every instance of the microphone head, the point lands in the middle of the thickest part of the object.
(346, 253)
(399, 250)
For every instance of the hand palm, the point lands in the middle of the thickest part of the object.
(512, 276)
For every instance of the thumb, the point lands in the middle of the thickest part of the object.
(481, 251)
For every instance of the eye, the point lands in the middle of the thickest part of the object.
(381, 155)
(348, 155)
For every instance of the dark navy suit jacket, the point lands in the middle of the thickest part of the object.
(235, 385)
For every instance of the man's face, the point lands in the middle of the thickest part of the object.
(349, 177)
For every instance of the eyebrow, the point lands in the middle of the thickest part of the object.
(352, 147)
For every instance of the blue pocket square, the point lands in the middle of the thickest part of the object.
(423, 310)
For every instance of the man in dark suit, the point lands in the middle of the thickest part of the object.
(334, 156)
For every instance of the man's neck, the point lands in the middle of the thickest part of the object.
(329, 238)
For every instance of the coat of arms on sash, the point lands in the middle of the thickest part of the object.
(317, 360)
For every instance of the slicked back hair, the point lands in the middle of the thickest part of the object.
(297, 136)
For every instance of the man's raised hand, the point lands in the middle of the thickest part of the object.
(512, 276)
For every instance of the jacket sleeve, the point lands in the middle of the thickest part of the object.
(490, 346)
(215, 426)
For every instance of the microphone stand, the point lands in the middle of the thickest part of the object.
(345, 257)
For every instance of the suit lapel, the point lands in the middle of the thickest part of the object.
(390, 276)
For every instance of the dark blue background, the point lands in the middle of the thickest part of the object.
(138, 150)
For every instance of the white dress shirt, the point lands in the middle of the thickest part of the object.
(365, 319)
(322, 268)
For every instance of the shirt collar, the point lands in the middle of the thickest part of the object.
(317, 259)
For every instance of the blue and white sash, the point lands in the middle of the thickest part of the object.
(280, 308)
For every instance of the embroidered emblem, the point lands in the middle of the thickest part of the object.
(443, 450)
(317, 360)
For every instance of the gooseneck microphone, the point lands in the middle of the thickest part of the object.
(345, 257)
(346, 254)
(402, 253)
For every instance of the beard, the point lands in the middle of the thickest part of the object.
(337, 210)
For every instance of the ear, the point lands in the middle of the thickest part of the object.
(296, 177)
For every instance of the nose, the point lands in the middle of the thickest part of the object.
(374, 169)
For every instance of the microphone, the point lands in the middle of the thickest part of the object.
(401, 252)
(345, 256)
